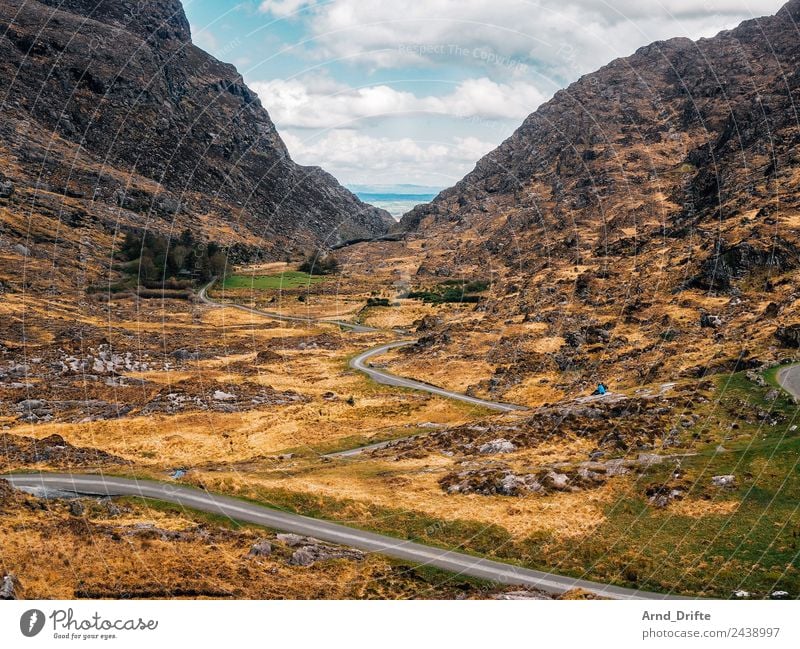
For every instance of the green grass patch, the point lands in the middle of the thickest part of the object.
(282, 281)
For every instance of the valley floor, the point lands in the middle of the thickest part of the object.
(631, 488)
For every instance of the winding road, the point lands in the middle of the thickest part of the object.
(416, 553)
(789, 379)
(240, 510)
(361, 363)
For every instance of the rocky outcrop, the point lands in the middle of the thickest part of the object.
(789, 335)
(111, 103)
(683, 145)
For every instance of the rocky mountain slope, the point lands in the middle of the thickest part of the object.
(111, 116)
(640, 227)
(686, 146)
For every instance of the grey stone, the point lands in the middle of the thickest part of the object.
(723, 480)
(262, 548)
(8, 589)
(497, 446)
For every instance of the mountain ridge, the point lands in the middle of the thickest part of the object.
(110, 106)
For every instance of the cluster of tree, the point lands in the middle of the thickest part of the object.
(451, 291)
(154, 257)
(319, 265)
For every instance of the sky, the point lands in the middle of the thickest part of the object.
(393, 92)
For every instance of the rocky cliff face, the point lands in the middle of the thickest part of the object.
(111, 115)
(686, 145)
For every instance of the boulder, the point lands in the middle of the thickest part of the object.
(789, 335)
(268, 356)
(219, 395)
(6, 189)
(428, 323)
(497, 446)
(185, 355)
(725, 481)
(9, 588)
(707, 320)
(262, 548)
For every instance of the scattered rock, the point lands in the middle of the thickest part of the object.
(310, 550)
(310, 554)
(726, 481)
(772, 395)
(521, 595)
(9, 588)
(789, 335)
(293, 540)
(708, 320)
(497, 446)
(185, 355)
(268, 356)
(779, 594)
(76, 508)
(262, 548)
(6, 189)
(428, 323)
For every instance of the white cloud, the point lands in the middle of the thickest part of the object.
(355, 157)
(565, 37)
(282, 8)
(318, 102)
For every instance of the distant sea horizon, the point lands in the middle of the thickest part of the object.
(395, 199)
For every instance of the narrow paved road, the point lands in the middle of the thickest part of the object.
(360, 362)
(789, 379)
(356, 328)
(416, 553)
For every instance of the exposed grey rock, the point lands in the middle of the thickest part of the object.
(559, 481)
(21, 250)
(497, 446)
(293, 540)
(310, 554)
(772, 395)
(262, 548)
(522, 595)
(219, 395)
(9, 587)
(708, 320)
(789, 335)
(724, 481)
(6, 189)
(185, 355)
(76, 508)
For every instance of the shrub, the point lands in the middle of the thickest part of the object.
(319, 265)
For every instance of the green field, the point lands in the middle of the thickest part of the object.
(281, 281)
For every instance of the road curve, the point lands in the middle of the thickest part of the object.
(416, 553)
(385, 378)
(789, 379)
(359, 362)
(356, 328)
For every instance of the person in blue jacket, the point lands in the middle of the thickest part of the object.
(601, 389)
